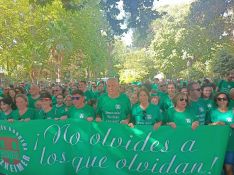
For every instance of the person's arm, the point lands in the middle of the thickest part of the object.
(157, 125)
(98, 111)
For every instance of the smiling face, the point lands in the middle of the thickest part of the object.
(4, 107)
(78, 100)
(181, 101)
(112, 87)
(207, 92)
(222, 100)
(171, 89)
(21, 103)
(143, 96)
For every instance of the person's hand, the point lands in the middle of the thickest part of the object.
(98, 119)
(157, 125)
(89, 119)
(124, 121)
(195, 125)
(131, 125)
(10, 120)
(27, 119)
(232, 126)
(218, 123)
(172, 124)
(63, 117)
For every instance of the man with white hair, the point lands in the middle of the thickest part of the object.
(113, 106)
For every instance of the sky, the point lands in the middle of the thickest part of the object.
(127, 38)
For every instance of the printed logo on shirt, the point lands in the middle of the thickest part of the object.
(149, 116)
(117, 106)
(81, 115)
(13, 154)
(201, 109)
(209, 106)
(188, 120)
(229, 119)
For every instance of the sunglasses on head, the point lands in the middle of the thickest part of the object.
(75, 98)
(222, 99)
(184, 99)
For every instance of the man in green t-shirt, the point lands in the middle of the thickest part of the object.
(114, 106)
(197, 104)
(80, 110)
(87, 93)
(226, 85)
(34, 96)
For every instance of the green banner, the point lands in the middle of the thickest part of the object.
(75, 147)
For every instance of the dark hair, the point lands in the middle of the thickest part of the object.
(83, 81)
(20, 89)
(216, 96)
(45, 94)
(77, 91)
(7, 100)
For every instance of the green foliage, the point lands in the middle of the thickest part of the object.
(42, 39)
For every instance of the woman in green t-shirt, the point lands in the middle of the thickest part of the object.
(23, 113)
(223, 115)
(145, 113)
(181, 115)
(7, 112)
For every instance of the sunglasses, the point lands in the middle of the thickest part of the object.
(199, 89)
(45, 99)
(184, 99)
(221, 99)
(75, 98)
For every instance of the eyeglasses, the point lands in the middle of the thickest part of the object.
(184, 99)
(199, 89)
(162, 85)
(75, 98)
(221, 99)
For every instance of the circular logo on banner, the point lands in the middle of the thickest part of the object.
(13, 150)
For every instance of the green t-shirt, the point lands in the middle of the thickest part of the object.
(30, 113)
(185, 118)
(113, 109)
(60, 110)
(81, 113)
(88, 96)
(225, 86)
(149, 116)
(1, 116)
(231, 104)
(48, 115)
(166, 103)
(163, 99)
(154, 86)
(12, 115)
(228, 118)
(209, 104)
(200, 110)
(32, 102)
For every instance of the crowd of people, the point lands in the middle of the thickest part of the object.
(156, 103)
